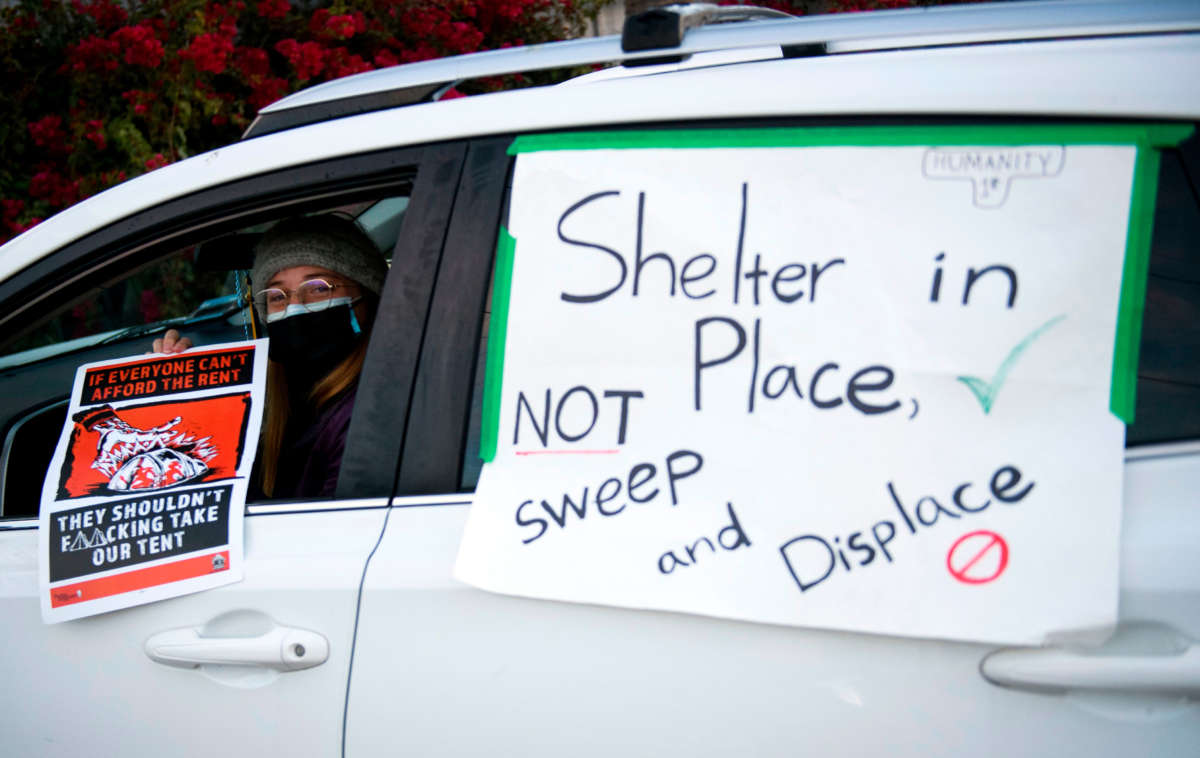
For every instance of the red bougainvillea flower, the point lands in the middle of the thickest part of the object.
(109, 178)
(209, 52)
(273, 8)
(459, 37)
(419, 52)
(10, 208)
(340, 63)
(105, 13)
(156, 161)
(54, 188)
(19, 228)
(223, 17)
(47, 133)
(345, 26)
(10, 211)
(93, 54)
(510, 9)
(267, 91)
(384, 58)
(320, 17)
(308, 58)
(420, 22)
(95, 133)
(252, 63)
(141, 46)
(138, 100)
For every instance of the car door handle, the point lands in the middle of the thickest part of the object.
(282, 648)
(1058, 670)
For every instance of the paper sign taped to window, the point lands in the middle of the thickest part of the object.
(145, 494)
(860, 388)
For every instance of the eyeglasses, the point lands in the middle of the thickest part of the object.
(314, 295)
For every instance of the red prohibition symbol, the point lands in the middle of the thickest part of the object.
(977, 557)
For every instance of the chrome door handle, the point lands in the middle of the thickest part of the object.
(283, 649)
(1058, 670)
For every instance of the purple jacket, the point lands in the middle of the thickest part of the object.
(308, 466)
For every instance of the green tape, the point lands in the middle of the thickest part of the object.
(1123, 397)
(1150, 135)
(489, 431)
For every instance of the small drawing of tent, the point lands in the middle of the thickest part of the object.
(95, 539)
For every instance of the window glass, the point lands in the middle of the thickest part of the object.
(1168, 400)
(167, 291)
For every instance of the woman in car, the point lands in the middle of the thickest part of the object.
(316, 282)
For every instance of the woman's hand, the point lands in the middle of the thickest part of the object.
(171, 342)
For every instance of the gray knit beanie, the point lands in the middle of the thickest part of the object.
(326, 241)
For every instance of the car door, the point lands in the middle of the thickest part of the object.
(443, 668)
(88, 686)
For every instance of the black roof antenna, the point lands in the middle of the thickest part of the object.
(664, 27)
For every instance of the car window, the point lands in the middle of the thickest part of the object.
(172, 290)
(1168, 399)
(200, 289)
(1168, 390)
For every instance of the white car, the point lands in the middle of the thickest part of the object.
(401, 659)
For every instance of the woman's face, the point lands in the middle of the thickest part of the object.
(290, 279)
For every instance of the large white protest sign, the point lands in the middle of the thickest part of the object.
(145, 494)
(863, 387)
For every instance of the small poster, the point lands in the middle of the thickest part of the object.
(857, 380)
(145, 494)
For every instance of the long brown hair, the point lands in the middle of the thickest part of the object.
(275, 413)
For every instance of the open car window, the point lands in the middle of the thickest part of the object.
(173, 291)
(200, 289)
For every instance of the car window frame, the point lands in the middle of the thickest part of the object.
(441, 397)
(432, 171)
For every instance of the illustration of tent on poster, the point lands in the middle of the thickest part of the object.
(144, 497)
(869, 379)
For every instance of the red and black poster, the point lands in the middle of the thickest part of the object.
(145, 496)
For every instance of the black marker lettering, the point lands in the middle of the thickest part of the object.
(578, 243)
(624, 395)
(699, 363)
(674, 476)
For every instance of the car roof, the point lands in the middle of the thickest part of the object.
(1124, 76)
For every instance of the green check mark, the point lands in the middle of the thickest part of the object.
(985, 392)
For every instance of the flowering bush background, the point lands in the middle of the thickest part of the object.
(98, 91)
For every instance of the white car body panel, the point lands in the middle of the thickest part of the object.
(1160, 560)
(105, 697)
(445, 669)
